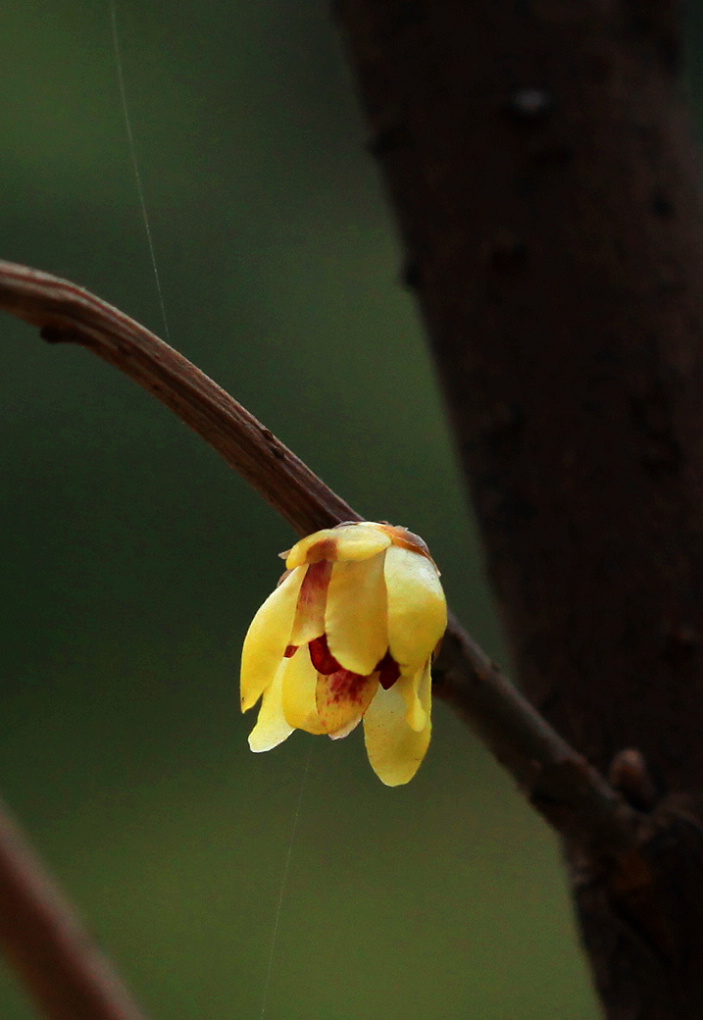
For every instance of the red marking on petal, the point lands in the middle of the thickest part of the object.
(321, 656)
(290, 651)
(317, 579)
(326, 549)
(347, 686)
(406, 539)
(388, 670)
(313, 590)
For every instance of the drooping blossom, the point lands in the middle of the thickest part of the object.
(349, 634)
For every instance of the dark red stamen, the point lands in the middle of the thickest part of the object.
(290, 651)
(388, 670)
(321, 656)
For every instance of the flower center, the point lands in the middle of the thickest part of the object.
(321, 656)
(325, 663)
(389, 671)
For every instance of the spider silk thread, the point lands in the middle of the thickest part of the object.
(117, 49)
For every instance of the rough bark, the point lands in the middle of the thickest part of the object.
(538, 158)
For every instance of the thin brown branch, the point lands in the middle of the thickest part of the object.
(67, 313)
(573, 796)
(63, 969)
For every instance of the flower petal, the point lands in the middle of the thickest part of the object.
(342, 698)
(348, 542)
(267, 639)
(345, 730)
(271, 726)
(416, 690)
(310, 608)
(395, 750)
(355, 614)
(359, 541)
(299, 691)
(417, 609)
(407, 539)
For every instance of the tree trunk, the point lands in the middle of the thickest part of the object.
(538, 158)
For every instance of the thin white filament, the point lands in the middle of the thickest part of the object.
(284, 883)
(152, 253)
(133, 157)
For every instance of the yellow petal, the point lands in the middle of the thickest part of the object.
(395, 750)
(416, 689)
(310, 608)
(271, 726)
(316, 547)
(355, 614)
(417, 609)
(407, 539)
(342, 698)
(348, 542)
(345, 730)
(359, 541)
(299, 690)
(267, 638)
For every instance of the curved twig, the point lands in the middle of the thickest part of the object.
(572, 796)
(546, 768)
(67, 313)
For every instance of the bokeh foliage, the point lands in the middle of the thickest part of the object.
(133, 558)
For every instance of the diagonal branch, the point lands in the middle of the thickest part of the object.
(574, 798)
(62, 970)
(67, 313)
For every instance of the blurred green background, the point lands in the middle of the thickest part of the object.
(133, 558)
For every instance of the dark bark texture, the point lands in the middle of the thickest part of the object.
(538, 157)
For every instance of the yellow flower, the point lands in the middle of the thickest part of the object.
(348, 634)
